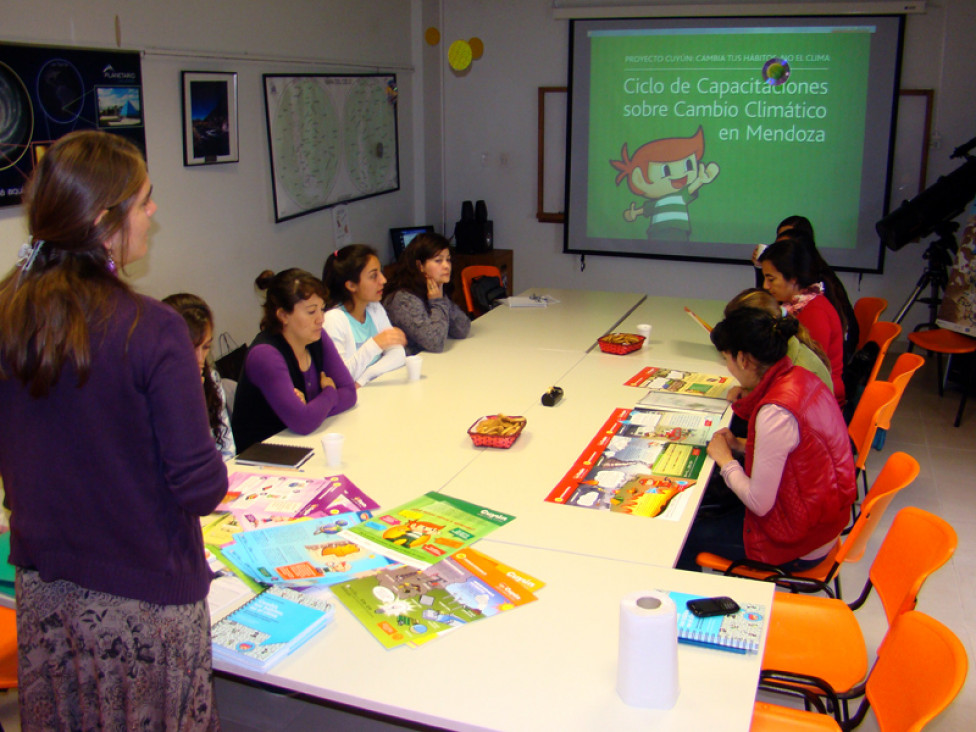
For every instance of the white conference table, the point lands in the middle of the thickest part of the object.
(550, 664)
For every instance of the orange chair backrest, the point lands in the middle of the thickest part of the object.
(864, 424)
(882, 333)
(8, 648)
(867, 310)
(901, 373)
(898, 472)
(916, 545)
(921, 671)
(476, 270)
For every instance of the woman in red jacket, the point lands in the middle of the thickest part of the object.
(795, 479)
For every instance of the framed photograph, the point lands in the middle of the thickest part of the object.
(209, 118)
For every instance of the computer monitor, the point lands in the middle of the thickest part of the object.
(403, 236)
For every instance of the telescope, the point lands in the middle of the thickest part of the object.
(943, 201)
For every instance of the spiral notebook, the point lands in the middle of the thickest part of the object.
(275, 455)
(739, 632)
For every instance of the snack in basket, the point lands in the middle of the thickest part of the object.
(499, 425)
(623, 339)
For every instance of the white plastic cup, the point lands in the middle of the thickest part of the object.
(332, 444)
(644, 329)
(414, 364)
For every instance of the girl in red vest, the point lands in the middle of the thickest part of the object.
(794, 472)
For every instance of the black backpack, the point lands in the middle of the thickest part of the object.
(486, 292)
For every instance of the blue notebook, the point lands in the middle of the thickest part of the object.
(739, 632)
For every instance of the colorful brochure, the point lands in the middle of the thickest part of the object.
(269, 627)
(403, 605)
(304, 552)
(426, 529)
(682, 382)
(259, 500)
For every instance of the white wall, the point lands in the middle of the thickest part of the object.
(490, 147)
(214, 230)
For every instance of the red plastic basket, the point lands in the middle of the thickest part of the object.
(619, 348)
(506, 441)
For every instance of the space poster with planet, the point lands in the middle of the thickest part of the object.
(47, 92)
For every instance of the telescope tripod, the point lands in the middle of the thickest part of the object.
(938, 255)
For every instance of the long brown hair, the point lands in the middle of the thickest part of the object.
(199, 319)
(78, 197)
(407, 275)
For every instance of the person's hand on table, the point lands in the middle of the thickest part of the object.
(722, 445)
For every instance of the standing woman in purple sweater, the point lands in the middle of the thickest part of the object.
(293, 376)
(107, 460)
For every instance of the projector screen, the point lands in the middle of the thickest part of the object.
(693, 138)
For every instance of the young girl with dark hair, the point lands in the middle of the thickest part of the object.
(199, 320)
(791, 274)
(357, 322)
(106, 457)
(418, 296)
(796, 480)
(293, 376)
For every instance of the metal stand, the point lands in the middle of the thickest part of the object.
(939, 256)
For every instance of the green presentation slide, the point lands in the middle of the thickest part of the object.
(690, 139)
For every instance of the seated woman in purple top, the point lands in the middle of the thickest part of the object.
(293, 377)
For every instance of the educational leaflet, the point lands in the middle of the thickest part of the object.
(258, 500)
(269, 627)
(304, 552)
(681, 382)
(629, 468)
(739, 632)
(674, 402)
(425, 530)
(403, 605)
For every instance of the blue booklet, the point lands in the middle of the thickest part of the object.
(739, 632)
(269, 627)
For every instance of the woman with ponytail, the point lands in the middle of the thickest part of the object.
(107, 460)
(794, 472)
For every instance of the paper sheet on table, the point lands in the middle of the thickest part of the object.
(532, 301)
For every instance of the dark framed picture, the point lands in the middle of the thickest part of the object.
(209, 118)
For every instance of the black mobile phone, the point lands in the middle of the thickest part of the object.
(706, 607)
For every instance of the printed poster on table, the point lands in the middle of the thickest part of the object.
(628, 467)
(681, 382)
(425, 530)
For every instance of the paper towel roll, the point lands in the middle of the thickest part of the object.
(647, 661)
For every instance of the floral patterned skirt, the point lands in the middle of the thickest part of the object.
(89, 660)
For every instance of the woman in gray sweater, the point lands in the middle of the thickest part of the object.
(418, 298)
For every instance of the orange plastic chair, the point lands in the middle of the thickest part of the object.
(901, 373)
(898, 472)
(922, 670)
(818, 638)
(867, 310)
(864, 423)
(939, 341)
(8, 648)
(468, 274)
(882, 333)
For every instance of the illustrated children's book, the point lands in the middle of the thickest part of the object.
(638, 475)
(304, 552)
(404, 605)
(425, 530)
(739, 632)
(260, 500)
(682, 402)
(269, 627)
(681, 382)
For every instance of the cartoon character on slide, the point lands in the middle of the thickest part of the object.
(667, 173)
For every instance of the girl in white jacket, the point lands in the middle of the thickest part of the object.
(357, 322)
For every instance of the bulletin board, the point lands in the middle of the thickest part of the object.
(47, 92)
(332, 139)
